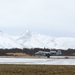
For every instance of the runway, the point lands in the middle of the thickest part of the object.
(40, 61)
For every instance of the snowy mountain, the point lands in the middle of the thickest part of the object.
(65, 43)
(7, 42)
(35, 40)
(32, 40)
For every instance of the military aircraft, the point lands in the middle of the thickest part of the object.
(48, 54)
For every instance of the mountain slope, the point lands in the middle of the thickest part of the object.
(34, 40)
(7, 42)
(30, 40)
(65, 43)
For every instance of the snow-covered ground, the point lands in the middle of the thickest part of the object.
(43, 61)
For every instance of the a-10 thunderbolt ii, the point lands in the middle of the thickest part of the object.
(48, 54)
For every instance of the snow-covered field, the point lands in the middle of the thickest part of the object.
(43, 61)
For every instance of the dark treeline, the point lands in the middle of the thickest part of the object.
(24, 50)
(32, 51)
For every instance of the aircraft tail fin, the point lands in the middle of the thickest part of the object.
(58, 52)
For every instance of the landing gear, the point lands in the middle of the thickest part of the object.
(48, 55)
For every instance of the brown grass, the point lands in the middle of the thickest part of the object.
(24, 55)
(36, 70)
(18, 54)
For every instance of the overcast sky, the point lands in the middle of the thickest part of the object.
(49, 17)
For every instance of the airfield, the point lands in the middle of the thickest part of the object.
(54, 60)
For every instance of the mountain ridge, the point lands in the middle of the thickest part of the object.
(35, 40)
(6, 41)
